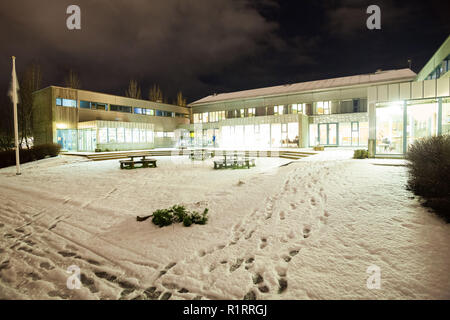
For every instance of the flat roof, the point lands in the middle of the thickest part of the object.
(185, 109)
(379, 76)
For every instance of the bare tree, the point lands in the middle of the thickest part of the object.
(30, 82)
(181, 101)
(133, 91)
(72, 80)
(155, 94)
(6, 124)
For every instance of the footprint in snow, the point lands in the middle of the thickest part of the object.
(263, 243)
(306, 232)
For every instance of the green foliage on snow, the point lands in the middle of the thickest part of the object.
(177, 214)
(360, 154)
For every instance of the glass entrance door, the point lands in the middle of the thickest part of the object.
(328, 134)
(67, 138)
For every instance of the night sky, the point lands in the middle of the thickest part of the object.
(206, 46)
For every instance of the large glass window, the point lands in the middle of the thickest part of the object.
(149, 136)
(85, 105)
(120, 135)
(297, 108)
(293, 140)
(66, 103)
(446, 116)
(389, 120)
(422, 120)
(128, 135)
(103, 135)
(136, 135)
(249, 135)
(355, 133)
(363, 133)
(143, 135)
(99, 106)
(313, 140)
(264, 135)
(275, 133)
(323, 107)
(121, 108)
(112, 135)
(345, 134)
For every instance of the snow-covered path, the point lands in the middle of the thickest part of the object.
(307, 230)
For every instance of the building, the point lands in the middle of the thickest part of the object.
(81, 120)
(404, 112)
(331, 112)
(384, 111)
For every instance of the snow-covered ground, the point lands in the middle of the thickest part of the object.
(306, 230)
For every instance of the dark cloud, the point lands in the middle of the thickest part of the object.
(205, 46)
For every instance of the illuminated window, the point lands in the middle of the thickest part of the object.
(112, 135)
(128, 135)
(120, 135)
(136, 135)
(251, 112)
(323, 107)
(138, 110)
(294, 108)
(103, 135)
(389, 130)
(242, 113)
(66, 102)
(446, 116)
(142, 135)
(205, 117)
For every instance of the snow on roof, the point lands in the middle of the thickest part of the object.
(379, 76)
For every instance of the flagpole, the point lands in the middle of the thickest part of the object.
(16, 127)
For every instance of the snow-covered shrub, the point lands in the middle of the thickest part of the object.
(360, 154)
(8, 158)
(429, 172)
(165, 217)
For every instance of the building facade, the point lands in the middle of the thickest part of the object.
(385, 112)
(81, 120)
(405, 112)
(332, 112)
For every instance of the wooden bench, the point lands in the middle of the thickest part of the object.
(146, 163)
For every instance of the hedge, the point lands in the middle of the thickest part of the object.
(429, 172)
(8, 157)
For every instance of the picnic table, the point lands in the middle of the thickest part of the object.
(146, 162)
(234, 161)
(201, 154)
